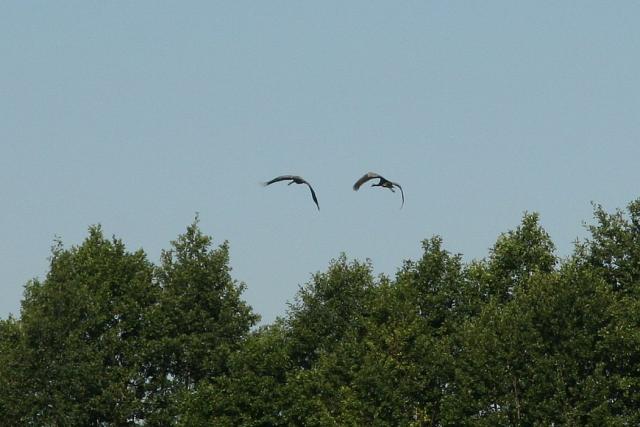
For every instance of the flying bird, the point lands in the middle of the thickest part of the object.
(383, 182)
(297, 180)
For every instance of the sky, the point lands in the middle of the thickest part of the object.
(138, 115)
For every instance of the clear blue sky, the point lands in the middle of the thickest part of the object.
(137, 115)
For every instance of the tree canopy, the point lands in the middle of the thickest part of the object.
(521, 337)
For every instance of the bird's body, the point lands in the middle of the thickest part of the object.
(295, 179)
(383, 182)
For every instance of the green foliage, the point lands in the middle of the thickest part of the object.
(12, 372)
(518, 338)
(81, 333)
(328, 309)
(109, 339)
(253, 392)
(198, 323)
(516, 256)
(614, 248)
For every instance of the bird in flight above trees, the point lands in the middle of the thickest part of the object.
(383, 182)
(297, 180)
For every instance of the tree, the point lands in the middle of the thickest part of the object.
(12, 372)
(614, 247)
(199, 321)
(407, 365)
(329, 308)
(613, 250)
(80, 335)
(518, 338)
(253, 392)
(517, 255)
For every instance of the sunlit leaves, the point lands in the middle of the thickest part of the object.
(518, 338)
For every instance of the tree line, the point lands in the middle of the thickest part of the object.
(518, 338)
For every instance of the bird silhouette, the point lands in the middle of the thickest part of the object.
(383, 182)
(295, 180)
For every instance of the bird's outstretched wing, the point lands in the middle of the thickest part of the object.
(313, 195)
(279, 178)
(401, 192)
(366, 177)
(298, 180)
